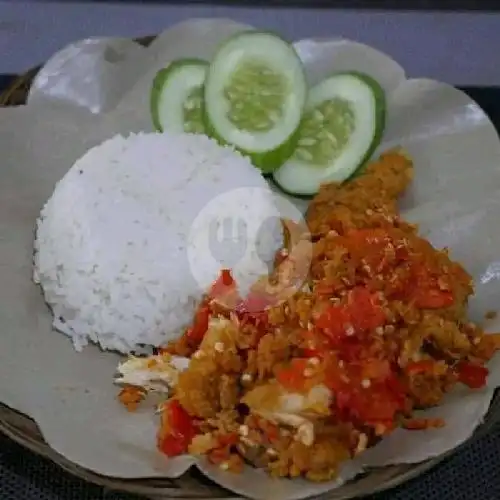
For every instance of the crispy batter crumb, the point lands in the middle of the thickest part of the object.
(131, 396)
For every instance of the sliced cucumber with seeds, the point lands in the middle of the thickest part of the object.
(177, 97)
(255, 93)
(343, 123)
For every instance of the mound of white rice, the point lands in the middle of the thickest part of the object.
(111, 247)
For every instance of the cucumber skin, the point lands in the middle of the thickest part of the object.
(380, 122)
(158, 84)
(270, 161)
(270, 178)
(380, 119)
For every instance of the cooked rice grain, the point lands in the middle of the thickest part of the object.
(112, 241)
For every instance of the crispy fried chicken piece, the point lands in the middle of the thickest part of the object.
(265, 385)
(205, 388)
(367, 201)
(318, 462)
(428, 390)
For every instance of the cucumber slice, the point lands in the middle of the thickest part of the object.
(177, 97)
(343, 124)
(255, 94)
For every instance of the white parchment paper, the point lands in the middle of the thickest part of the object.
(96, 88)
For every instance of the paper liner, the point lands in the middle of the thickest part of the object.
(97, 88)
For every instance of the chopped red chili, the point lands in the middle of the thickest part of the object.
(360, 314)
(375, 369)
(177, 429)
(433, 299)
(197, 331)
(252, 311)
(292, 377)
(426, 293)
(377, 405)
(219, 455)
(423, 366)
(472, 375)
(228, 439)
(364, 309)
(367, 391)
(335, 323)
(222, 284)
(172, 446)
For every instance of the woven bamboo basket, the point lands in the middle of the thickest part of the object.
(193, 485)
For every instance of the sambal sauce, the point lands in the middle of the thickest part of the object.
(376, 330)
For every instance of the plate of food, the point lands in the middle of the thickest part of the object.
(306, 308)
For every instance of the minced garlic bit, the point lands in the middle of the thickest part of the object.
(247, 441)
(365, 383)
(305, 434)
(349, 330)
(246, 377)
(219, 346)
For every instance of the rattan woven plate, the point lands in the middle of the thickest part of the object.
(193, 485)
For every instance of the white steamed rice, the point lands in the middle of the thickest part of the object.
(111, 247)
